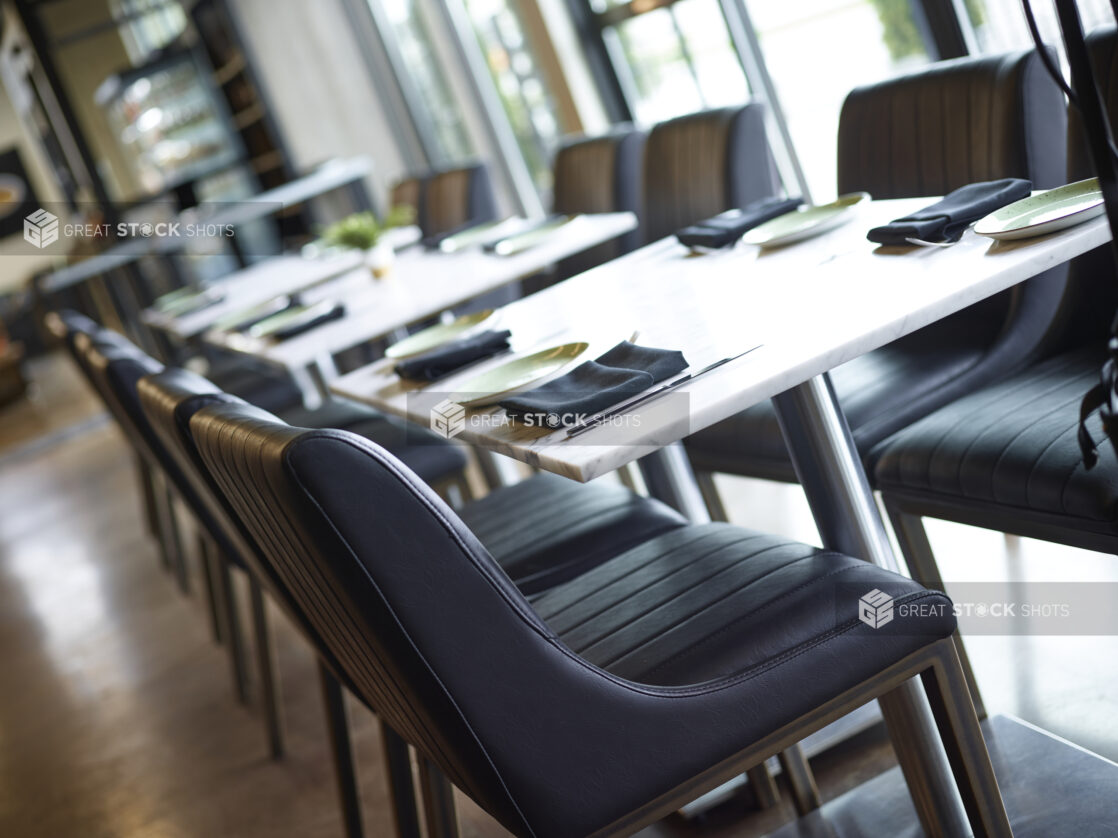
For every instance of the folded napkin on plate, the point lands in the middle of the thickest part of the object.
(592, 387)
(451, 356)
(730, 226)
(945, 220)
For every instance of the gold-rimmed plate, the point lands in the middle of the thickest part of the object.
(435, 336)
(806, 222)
(517, 374)
(1045, 212)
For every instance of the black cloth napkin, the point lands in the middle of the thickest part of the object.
(727, 228)
(450, 356)
(590, 388)
(308, 322)
(947, 219)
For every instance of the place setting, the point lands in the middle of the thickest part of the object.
(536, 388)
(771, 223)
(1004, 210)
(506, 237)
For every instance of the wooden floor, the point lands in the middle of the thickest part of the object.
(116, 712)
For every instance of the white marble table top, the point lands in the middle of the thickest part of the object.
(251, 286)
(811, 306)
(329, 176)
(421, 285)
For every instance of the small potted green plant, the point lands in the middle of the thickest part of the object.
(364, 231)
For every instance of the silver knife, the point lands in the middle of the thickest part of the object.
(617, 410)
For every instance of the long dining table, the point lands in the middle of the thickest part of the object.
(421, 284)
(796, 312)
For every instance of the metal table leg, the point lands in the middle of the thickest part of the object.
(831, 473)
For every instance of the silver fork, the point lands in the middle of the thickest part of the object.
(922, 243)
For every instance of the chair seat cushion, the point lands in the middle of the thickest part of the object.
(548, 529)
(434, 459)
(1012, 445)
(269, 390)
(710, 601)
(880, 392)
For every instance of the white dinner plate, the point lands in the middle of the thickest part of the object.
(1045, 212)
(806, 221)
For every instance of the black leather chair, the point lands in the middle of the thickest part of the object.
(113, 365)
(699, 165)
(410, 192)
(595, 174)
(607, 702)
(543, 531)
(582, 528)
(1006, 457)
(458, 198)
(600, 174)
(926, 134)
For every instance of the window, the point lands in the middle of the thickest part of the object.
(817, 51)
(672, 58)
(999, 25)
(430, 99)
(520, 82)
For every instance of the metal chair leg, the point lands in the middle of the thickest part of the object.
(397, 766)
(921, 561)
(711, 498)
(174, 555)
(765, 792)
(231, 621)
(464, 488)
(805, 793)
(345, 773)
(209, 586)
(438, 801)
(266, 671)
(147, 497)
(966, 749)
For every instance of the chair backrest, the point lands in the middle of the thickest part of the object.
(169, 400)
(957, 122)
(1087, 312)
(433, 635)
(953, 123)
(705, 163)
(458, 198)
(411, 192)
(600, 174)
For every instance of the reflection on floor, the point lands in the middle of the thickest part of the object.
(118, 718)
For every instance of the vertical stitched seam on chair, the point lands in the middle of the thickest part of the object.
(786, 657)
(745, 585)
(1009, 442)
(710, 638)
(694, 586)
(614, 580)
(610, 580)
(999, 393)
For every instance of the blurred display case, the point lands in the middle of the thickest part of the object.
(171, 121)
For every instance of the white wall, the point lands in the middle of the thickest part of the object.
(318, 84)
